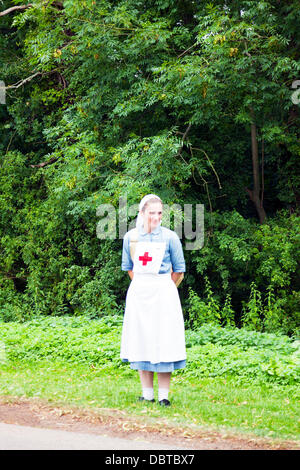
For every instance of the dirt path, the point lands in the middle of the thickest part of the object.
(116, 423)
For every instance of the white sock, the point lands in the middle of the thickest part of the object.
(148, 393)
(163, 394)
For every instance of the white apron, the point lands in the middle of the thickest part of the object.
(153, 327)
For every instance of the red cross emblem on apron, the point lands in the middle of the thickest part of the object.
(145, 258)
(148, 257)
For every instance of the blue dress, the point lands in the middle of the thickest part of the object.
(173, 258)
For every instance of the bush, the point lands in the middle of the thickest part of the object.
(212, 351)
(254, 268)
(259, 313)
(246, 355)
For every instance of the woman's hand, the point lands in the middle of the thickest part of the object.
(175, 277)
(130, 273)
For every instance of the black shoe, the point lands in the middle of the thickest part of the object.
(164, 402)
(143, 399)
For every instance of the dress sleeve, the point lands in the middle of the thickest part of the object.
(176, 254)
(127, 264)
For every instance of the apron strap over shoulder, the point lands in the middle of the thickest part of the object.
(132, 243)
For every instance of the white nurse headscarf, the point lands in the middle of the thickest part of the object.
(139, 220)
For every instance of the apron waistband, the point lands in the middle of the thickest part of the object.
(151, 275)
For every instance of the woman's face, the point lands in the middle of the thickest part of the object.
(152, 216)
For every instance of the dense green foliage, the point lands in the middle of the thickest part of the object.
(212, 351)
(191, 100)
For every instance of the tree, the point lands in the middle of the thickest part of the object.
(189, 99)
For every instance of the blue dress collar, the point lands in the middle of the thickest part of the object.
(156, 231)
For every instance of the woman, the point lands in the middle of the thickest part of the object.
(153, 328)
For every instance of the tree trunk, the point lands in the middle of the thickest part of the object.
(255, 194)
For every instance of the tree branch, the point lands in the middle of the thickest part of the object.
(29, 5)
(28, 79)
(17, 7)
(184, 52)
(200, 150)
(183, 139)
(25, 80)
(186, 132)
(41, 165)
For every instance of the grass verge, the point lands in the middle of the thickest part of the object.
(76, 362)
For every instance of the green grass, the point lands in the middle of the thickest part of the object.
(235, 380)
